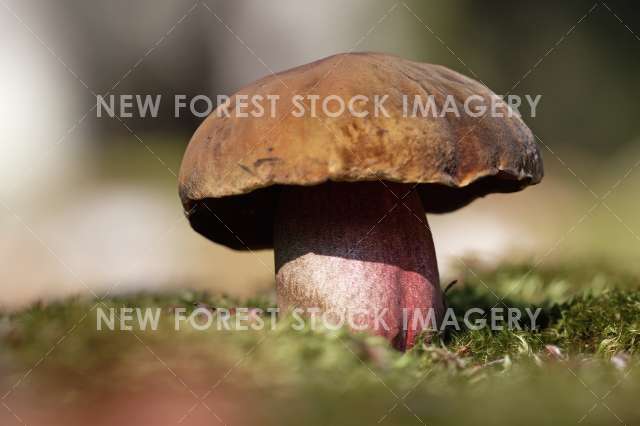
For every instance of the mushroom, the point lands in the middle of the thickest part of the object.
(342, 199)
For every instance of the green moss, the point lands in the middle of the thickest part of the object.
(591, 315)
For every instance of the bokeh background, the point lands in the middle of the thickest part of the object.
(92, 202)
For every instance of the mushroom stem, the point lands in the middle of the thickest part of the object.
(360, 255)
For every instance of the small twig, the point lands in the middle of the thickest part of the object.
(450, 285)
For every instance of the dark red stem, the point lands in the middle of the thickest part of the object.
(357, 249)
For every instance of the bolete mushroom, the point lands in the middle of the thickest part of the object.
(342, 198)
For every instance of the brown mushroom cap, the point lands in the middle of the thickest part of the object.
(233, 166)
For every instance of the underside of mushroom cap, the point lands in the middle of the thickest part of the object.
(234, 166)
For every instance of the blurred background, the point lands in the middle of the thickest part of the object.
(92, 202)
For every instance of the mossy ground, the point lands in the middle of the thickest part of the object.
(581, 366)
